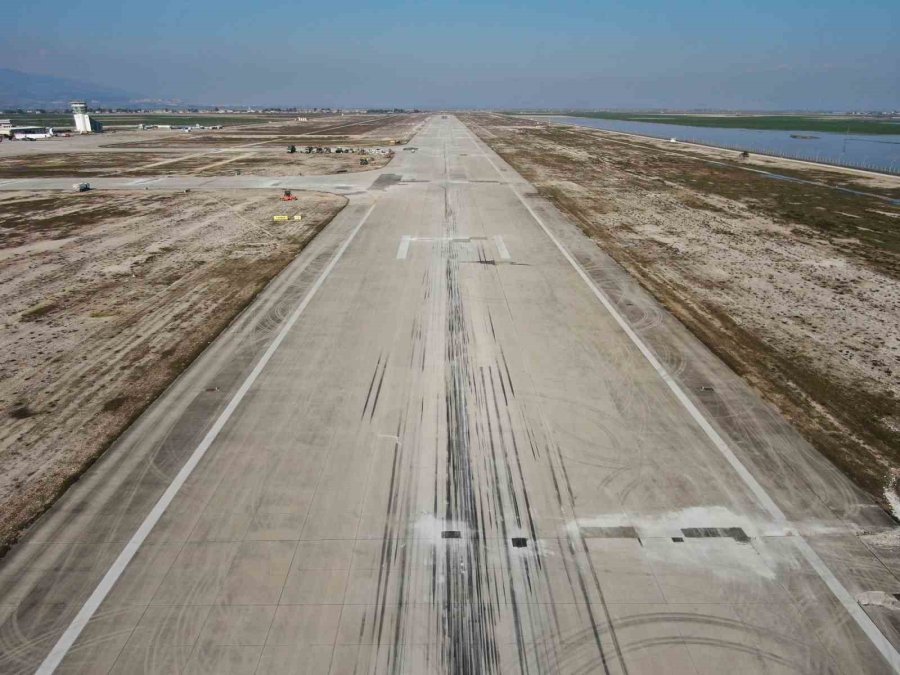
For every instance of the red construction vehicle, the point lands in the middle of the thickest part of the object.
(288, 197)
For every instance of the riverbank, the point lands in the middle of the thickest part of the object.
(837, 124)
(871, 153)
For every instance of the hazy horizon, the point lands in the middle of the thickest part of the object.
(735, 56)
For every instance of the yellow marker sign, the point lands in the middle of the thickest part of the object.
(279, 218)
(298, 217)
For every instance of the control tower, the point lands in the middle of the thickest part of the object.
(83, 122)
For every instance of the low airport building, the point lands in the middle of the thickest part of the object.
(26, 133)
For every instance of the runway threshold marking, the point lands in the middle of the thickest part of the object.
(68, 638)
(879, 641)
(406, 240)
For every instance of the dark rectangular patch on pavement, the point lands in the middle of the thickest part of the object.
(450, 534)
(385, 180)
(519, 542)
(623, 532)
(735, 533)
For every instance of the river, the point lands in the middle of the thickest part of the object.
(879, 153)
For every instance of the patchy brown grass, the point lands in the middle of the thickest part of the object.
(30, 218)
(852, 224)
(64, 164)
(377, 130)
(38, 311)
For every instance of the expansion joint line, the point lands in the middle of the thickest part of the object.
(865, 623)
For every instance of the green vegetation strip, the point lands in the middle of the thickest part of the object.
(837, 125)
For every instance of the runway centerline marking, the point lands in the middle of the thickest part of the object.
(879, 641)
(68, 638)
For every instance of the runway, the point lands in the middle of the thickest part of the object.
(453, 437)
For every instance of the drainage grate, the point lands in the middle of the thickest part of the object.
(519, 542)
(735, 533)
(624, 532)
(450, 534)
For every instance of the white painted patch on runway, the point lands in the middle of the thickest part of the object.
(68, 638)
(403, 249)
(850, 604)
(406, 240)
(501, 247)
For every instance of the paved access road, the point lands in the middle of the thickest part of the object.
(454, 437)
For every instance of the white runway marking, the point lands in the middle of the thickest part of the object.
(406, 240)
(501, 247)
(403, 249)
(67, 639)
(881, 643)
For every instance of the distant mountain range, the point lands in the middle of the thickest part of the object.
(28, 90)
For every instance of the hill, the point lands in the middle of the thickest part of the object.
(29, 90)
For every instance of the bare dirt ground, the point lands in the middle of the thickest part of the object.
(105, 298)
(796, 286)
(72, 163)
(296, 165)
(255, 162)
(222, 152)
(268, 162)
(399, 127)
(356, 131)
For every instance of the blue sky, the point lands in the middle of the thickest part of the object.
(690, 54)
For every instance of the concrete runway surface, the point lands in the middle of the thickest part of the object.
(453, 437)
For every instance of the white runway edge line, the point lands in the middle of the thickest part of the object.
(881, 643)
(68, 638)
